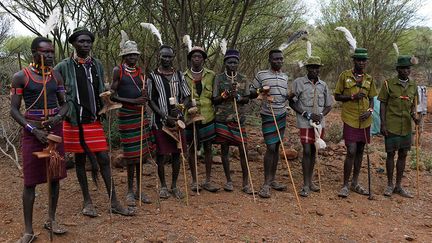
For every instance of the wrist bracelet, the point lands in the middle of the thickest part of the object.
(370, 110)
(29, 127)
(303, 113)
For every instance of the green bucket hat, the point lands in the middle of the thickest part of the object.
(406, 61)
(360, 53)
(313, 60)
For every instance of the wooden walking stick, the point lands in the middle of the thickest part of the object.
(183, 164)
(47, 164)
(315, 105)
(195, 142)
(266, 90)
(417, 140)
(141, 147)
(242, 139)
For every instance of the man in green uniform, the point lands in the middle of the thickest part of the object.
(356, 90)
(397, 98)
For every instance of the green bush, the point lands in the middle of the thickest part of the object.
(333, 133)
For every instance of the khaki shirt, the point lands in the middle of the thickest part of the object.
(399, 101)
(310, 98)
(351, 110)
(203, 101)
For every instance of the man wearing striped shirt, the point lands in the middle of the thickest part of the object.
(278, 94)
(163, 84)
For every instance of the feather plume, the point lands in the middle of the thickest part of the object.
(124, 38)
(309, 48)
(154, 31)
(395, 46)
(223, 46)
(300, 64)
(414, 60)
(188, 42)
(52, 21)
(348, 36)
(292, 38)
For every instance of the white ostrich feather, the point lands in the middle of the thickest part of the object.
(309, 48)
(124, 38)
(395, 46)
(187, 41)
(348, 36)
(223, 46)
(52, 21)
(293, 38)
(154, 31)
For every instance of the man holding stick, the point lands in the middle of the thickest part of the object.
(228, 86)
(312, 100)
(356, 90)
(29, 85)
(83, 131)
(277, 82)
(128, 87)
(398, 96)
(167, 91)
(200, 81)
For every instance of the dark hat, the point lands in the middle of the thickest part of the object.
(232, 53)
(80, 31)
(197, 49)
(313, 60)
(360, 53)
(406, 61)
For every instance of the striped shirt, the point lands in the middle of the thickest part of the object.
(161, 89)
(278, 83)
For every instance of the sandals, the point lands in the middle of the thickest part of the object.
(122, 211)
(247, 189)
(164, 193)
(305, 191)
(177, 193)
(388, 191)
(344, 192)
(55, 227)
(194, 186)
(265, 191)
(278, 186)
(314, 188)
(229, 187)
(89, 210)
(402, 192)
(208, 186)
(359, 189)
(130, 200)
(144, 198)
(27, 238)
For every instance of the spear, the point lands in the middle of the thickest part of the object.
(242, 139)
(417, 150)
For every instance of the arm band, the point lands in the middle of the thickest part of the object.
(60, 88)
(17, 91)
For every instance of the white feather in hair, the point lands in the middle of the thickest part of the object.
(395, 46)
(52, 21)
(223, 46)
(154, 31)
(292, 38)
(349, 37)
(309, 48)
(188, 42)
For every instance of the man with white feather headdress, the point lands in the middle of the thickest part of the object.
(355, 89)
(311, 100)
(200, 81)
(398, 96)
(129, 89)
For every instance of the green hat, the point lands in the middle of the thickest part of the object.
(80, 31)
(360, 53)
(313, 60)
(406, 61)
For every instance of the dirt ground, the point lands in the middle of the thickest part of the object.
(235, 216)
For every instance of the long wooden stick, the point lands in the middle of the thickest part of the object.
(141, 146)
(285, 156)
(110, 164)
(195, 145)
(417, 150)
(317, 165)
(184, 166)
(243, 144)
(44, 81)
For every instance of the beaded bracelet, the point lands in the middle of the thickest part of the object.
(29, 127)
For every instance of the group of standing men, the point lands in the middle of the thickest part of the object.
(73, 106)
